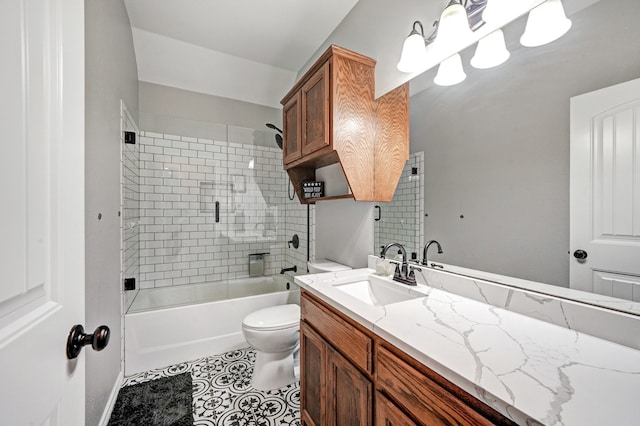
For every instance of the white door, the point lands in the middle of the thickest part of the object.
(42, 210)
(605, 191)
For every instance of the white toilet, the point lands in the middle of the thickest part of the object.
(275, 334)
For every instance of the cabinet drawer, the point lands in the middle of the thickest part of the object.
(419, 395)
(353, 343)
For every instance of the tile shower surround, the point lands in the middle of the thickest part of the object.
(181, 178)
(401, 219)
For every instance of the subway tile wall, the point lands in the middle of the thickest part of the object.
(296, 224)
(402, 218)
(129, 213)
(183, 179)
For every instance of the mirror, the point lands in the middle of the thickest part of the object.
(400, 220)
(497, 145)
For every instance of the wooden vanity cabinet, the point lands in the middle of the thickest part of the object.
(333, 391)
(342, 384)
(331, 116)
(387, 414)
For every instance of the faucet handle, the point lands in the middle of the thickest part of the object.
(398, 272)
(411, 276)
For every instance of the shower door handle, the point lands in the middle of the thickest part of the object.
(379, 213)
(217, 211)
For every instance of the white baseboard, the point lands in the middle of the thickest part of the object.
(106, 415)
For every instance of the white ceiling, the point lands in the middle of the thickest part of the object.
(279, 34)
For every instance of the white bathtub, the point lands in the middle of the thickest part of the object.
(165, 326)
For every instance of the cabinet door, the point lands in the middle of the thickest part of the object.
(387, 414)
(348, 393)
(312, 383)
(291, 146)
(316, 111)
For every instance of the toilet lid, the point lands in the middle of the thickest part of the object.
(273, 317)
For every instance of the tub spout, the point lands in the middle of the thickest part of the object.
(294, 268)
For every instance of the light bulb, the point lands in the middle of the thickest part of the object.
(491, 51)
(453, 29)
(546, 23)
(450, 71)
(414, 51)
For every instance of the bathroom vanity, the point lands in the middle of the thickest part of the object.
(359, 372)
(374, 351)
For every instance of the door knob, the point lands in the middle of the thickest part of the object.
(580, 254)
(78, 339)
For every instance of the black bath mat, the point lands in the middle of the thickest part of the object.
(162, 402)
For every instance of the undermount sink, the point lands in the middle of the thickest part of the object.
(377, 291)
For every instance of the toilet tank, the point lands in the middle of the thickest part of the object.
(325, 265)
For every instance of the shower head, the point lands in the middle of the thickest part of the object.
(273, 126)
(278, 136)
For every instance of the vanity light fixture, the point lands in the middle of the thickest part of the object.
(546, 23)
(414, 52)
(498, 11)
(450, 71)
(453, 29)
(491, 51)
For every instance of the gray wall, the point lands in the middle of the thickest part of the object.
(344, 232)
(166, 109)
(497, 145)
(111, 75)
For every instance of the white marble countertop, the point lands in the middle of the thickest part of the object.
(531, 371)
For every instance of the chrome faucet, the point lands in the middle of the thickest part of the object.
(403, 274)
(426, 248)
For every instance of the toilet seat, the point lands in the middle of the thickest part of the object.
(273, 318)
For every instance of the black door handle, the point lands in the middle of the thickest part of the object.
(77, 339)
(379, 213)
(580, 254)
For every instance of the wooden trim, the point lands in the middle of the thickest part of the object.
(438, 383)
(331, 51)
(322, 157)
(351, 403)
(322, 75)
(388, 414)
(333, 197)
(307, 333)
(391, 141)
(353, 124)
(349, 338)
(295, 155)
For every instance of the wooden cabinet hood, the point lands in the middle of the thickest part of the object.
(330, 116)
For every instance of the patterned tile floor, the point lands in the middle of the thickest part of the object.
(223, 395)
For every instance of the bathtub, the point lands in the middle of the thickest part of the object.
(169, 325)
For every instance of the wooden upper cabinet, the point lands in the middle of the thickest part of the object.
(315, 111)
(340, 121)
(291, 147)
